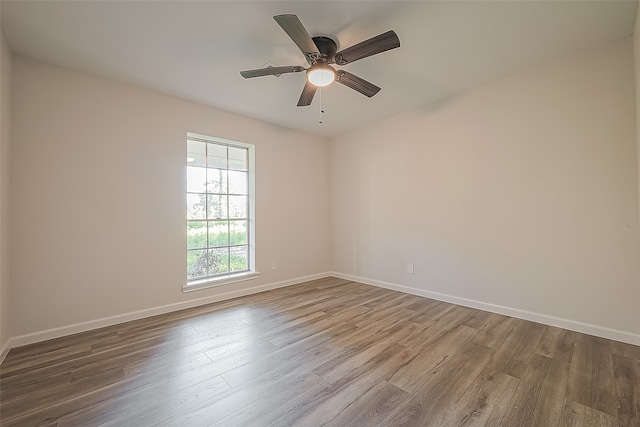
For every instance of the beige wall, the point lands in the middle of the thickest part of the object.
(636, 55)
(98, 195)
(520, 196)
(5, 144)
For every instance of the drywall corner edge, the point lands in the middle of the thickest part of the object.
(572, 325)
(141, 314)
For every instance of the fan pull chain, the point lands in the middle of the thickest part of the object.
(321, 106)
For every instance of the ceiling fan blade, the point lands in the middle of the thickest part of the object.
(380, 43)
(356, 83)
(293, 27)
(307, 94)
(271, 71)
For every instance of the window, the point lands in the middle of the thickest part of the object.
(220, 223)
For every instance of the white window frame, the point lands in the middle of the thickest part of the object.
(226, 279)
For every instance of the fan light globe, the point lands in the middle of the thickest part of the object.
(321, 75)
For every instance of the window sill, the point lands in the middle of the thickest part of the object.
(197, 285)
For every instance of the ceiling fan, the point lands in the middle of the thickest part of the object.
(320, 52)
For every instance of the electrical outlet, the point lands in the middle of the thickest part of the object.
(410, 267)
(274, 265)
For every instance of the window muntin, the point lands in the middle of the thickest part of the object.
(219, 223)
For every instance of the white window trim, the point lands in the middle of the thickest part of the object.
(213, 282)
(227, 279)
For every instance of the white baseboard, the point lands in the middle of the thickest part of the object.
(135, 315)
(572, 325)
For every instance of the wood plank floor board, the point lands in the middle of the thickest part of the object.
(210, 411)
(169, 406)
(627, 387)
(369, 297)
(479, 320)
(144, 351)
(352, 336)
(487, 395)
(591, 375)
(495, 331)
(388, 300)
(299, 333)
(529, 398)
(67, 380)
(123, 347)
(330, 282)
(150, 385)
(548, 407)
(23, 354)
(353, 359)
(28, 363)
(327, 404)
(577, 415)
(383, 312)
(272, 407)
(436, 328)
(47, 396)
(444, 384)
(124, 404)
(275, 325)
(371, 408)
(433, 313)
(327, 337)
(429, 358)
(626, 350)
(357, 336)
(346, 314)
(325, 352)
(223, 351)
(422, 305)
(516, 350)
(258, 367)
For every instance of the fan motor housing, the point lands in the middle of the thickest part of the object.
(326, 46)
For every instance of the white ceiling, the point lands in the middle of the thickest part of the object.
(195, 50)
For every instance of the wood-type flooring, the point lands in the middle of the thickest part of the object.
(329, 352)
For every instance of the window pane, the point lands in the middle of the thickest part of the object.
(218, 233)
(238, 259)
(216, 181)
(237, 182)
(196, 179)
(196, 264)
(196, 234)
(238, 158)
(237, 206)
(218, 261)
(196, 154)
(238, 234)
(217, 207)
(196, 206)
(217, 156)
